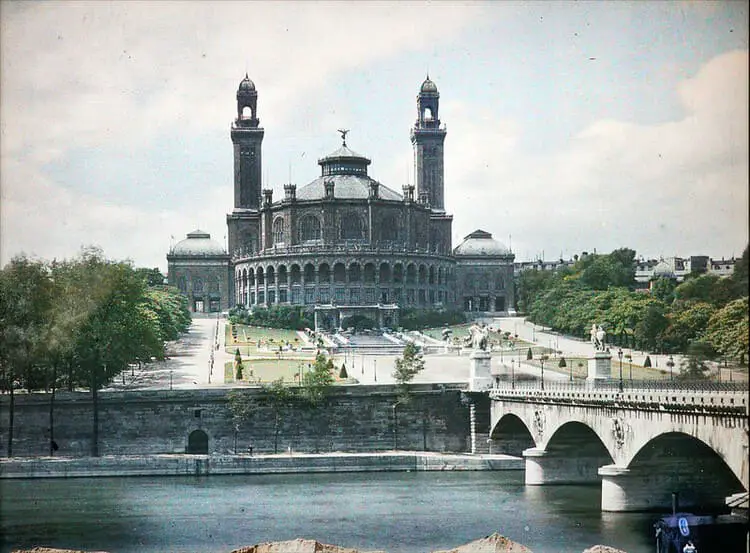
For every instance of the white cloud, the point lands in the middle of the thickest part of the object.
(674, 188)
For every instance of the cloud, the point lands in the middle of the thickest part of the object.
(124, 77)
(678, 187)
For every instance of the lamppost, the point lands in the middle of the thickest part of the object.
(670, 364)
(570, 364)
(619, 356)
(512, 375)
(375, 369)
(630, 368)
(541, 360)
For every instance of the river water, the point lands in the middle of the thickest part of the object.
(396, 512)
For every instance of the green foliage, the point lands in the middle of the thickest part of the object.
(531, 283)
(616, 269)
(529, 355)
(279, 398)
(242, 406)
(276, 316)
(685, 323)
(695, 367)
(317, 383)
(649, 329)
(740, 274)
(663, 289)
(406, 368)
(415, 319)
(647, 362)
(562, 363)
(152, 277)
(358, 322)
(238, 367)
(727, 330)
(343, 375)
(706, 288)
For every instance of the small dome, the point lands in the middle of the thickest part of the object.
(663, 269)
(481, 243)
(246, 85)
(428, 86)
(198, 243)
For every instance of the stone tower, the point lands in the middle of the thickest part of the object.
(428, 137)
(243, 224)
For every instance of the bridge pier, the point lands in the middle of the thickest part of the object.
(625, 489)
(551, 467)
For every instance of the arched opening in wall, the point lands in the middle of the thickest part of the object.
(398, 273)
(369, 273)
(294, 274)
(385, 273)
(440, 276)
(575, 439)
(351, 227)
(355, 273)
(283, 277)
(247, 112)
(309, 273)
(500, 303)
(677, 462)
(271, 275)
(182, 284)
(197, 443)
(411, 274)
(427, 114)
(324, 273)
(422, 274)
(510, 436)
(499, 282)
(309, 228)
(250, 278)
(278, 230)
(339, 272)
(261, 276)
(432, 275)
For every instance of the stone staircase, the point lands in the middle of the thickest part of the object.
(481, 445)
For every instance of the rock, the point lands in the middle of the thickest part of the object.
(298, 546)
(491, 544)
(603, 549)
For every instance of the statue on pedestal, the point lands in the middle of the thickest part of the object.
(479, 336)
(598, 338)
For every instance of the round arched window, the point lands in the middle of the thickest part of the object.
(309, 228)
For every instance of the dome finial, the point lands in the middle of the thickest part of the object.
(343, 132)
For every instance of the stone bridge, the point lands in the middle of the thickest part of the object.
(641, 444)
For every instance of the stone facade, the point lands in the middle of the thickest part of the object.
(345, 239)
(356, 419)
(199, 267)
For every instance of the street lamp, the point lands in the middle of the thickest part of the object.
(375, 369)
(670, 364)
(619, 356)
(541, 360)
(512, 375)
(630, 368)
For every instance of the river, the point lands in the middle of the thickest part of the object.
(396, 512)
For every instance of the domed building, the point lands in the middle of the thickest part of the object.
(346, 244)
(199, 268)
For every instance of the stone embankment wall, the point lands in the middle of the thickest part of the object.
(354, 419)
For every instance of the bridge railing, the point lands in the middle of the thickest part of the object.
(613, 385)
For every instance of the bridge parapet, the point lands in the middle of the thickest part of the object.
(692, 399)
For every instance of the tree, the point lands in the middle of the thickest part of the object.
(25, 298)
(562, 363)
(647, 362)
(406, 368)
(343, 375)
(529, 355)
(740, 274)
(238, 365)
(278, 398)
(687, 322)
(648, 331)
(727, 330)
(243, 408)
(695, 367)
(152, 277)
(663, 289)
(317, 383)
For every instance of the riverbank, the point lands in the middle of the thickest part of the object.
(287, 463)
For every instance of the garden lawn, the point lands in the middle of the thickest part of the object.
(249, 336)
(580, 368)
(266, 370)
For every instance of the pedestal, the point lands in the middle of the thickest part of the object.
(480, 378)
(600, 368)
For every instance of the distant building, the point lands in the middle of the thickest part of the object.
(346, 244)
(199, 268)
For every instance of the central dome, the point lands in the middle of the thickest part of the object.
(428, 86)
(198, 243)
(246, 85)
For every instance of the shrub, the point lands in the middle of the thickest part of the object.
(343, 375)
(562, 362)
(647, 362)
(415, 319)
(529, 355)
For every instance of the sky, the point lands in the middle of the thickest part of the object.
(572, 126)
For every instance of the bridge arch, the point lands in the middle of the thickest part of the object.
(511, 436)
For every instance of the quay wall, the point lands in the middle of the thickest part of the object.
(201, 465)
(353, 419)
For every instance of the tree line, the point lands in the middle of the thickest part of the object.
(80, 323)
(705, 316)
